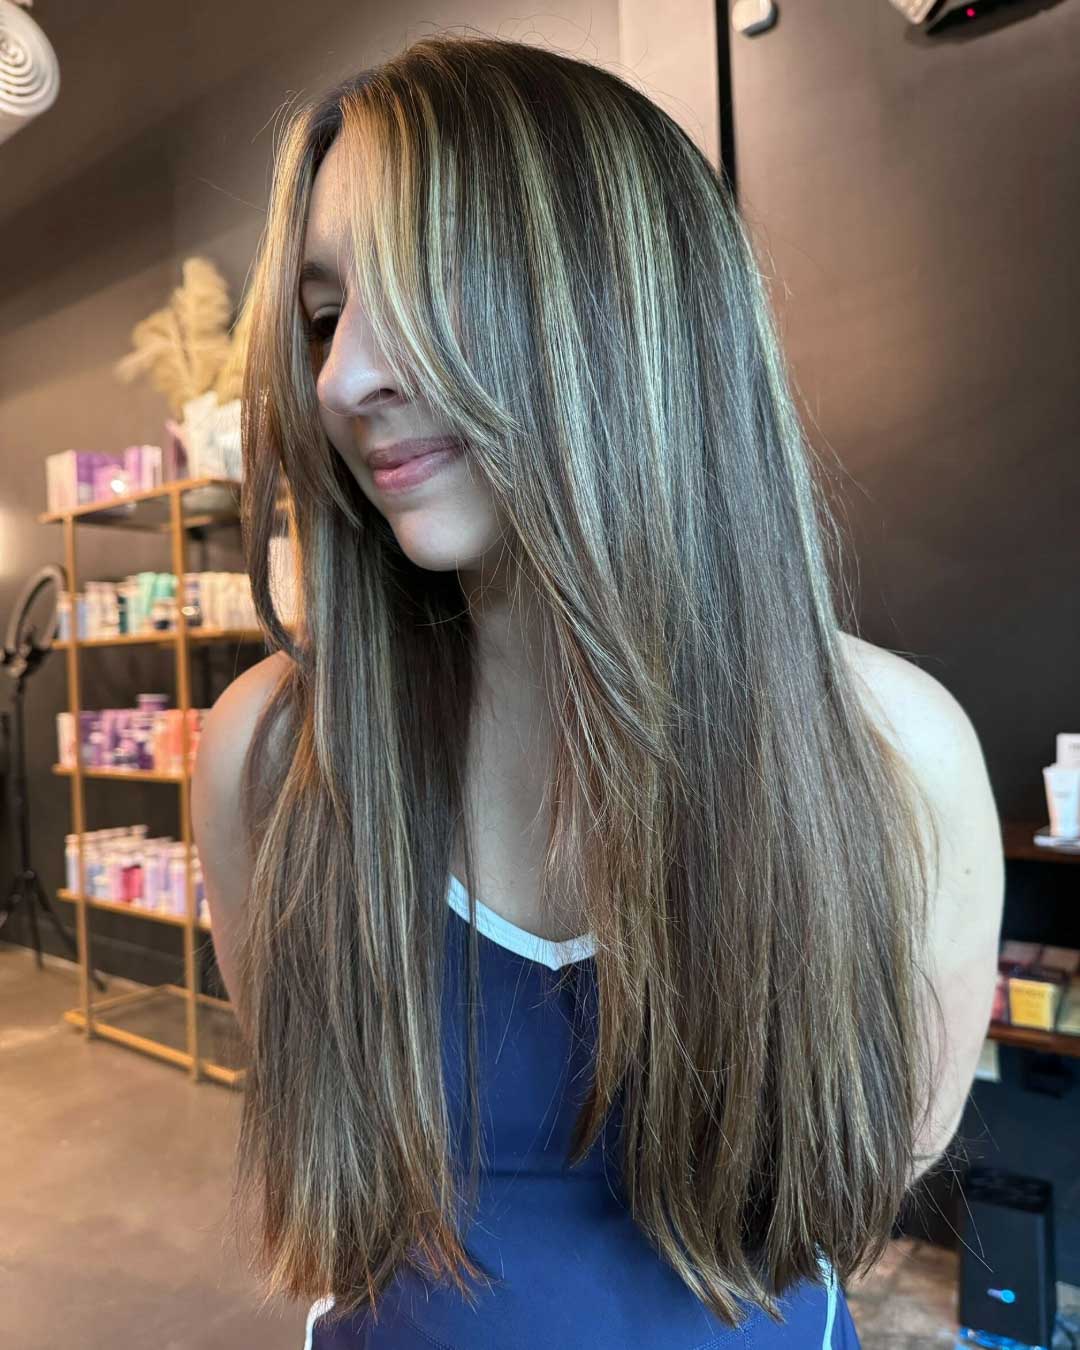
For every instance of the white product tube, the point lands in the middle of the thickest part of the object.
(1063, 800)
(1068, 749)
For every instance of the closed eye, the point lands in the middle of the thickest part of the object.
(321, 328)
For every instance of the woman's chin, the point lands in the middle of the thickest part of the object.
(443, 545)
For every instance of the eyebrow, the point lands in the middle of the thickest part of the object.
(317, 271)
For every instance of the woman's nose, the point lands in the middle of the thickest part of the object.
(353, 380)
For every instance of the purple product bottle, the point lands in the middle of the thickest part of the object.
(87, 725)
(141, 757)
(108, 729)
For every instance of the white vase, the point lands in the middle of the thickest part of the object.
(227, 451)
(198, 429)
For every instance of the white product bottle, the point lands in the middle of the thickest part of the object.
(178, 880)
(95, 872)
(71, 862)
(65, 738)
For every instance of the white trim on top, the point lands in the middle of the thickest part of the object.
(317, 1309)
(829, 1272)
(515, 939)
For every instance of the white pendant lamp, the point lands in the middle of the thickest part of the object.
(29, 70)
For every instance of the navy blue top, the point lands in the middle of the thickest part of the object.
(570, 1267)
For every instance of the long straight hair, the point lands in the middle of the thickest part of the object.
(550, 262)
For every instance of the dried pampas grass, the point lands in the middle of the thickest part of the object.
(186, 348)
(230, 378)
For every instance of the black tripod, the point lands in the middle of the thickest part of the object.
(20, 656)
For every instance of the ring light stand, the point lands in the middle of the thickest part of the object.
(23, 653)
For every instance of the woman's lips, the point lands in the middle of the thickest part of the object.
(415, 470)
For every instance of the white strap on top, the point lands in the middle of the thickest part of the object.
(317, 1310)
(515, 939)
(831, 1284)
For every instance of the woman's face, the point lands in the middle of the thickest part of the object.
(442, 514)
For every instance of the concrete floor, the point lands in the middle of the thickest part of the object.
(114, 1190)
(114, 1185)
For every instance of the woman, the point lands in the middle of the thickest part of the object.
(614, 936)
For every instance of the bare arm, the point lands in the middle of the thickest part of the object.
(932, 730)
(217, 818)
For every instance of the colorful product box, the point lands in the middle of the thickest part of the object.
(1034, 998)
(1034, 988)
(69, 477)
(77, 477)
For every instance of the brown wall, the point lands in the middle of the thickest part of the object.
(918, 203)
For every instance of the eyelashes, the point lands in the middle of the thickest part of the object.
(320, 330)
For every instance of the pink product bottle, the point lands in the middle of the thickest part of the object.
(158, 741)
(143, 465)
(194, 731)
(133, 876)
(114, 876)
(174, 730)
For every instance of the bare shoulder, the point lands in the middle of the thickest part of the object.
(217, 816)
(223, 744)
(914, 709)
(228, 726)
(928, 725)
(930, 728)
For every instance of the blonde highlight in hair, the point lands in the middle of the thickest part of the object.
(550, 262)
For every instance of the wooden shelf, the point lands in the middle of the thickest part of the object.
(1029, 1038)
(1017, 838)
(123, 775)
(207, 1068)
(204, 501)
(173, 510)
(140, 911)
(167, 639)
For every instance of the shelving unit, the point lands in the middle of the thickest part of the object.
(1017, 837)
(173, 509)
